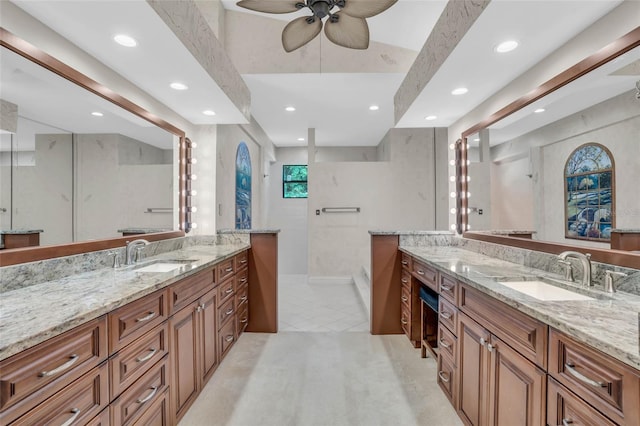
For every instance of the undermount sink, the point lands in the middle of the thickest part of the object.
(542, 290)
(163, 265)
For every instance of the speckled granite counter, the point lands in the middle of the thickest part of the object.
(609, 323)
(36, 313)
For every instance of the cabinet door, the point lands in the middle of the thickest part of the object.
(184, 350)
(208, 334)
(517, 388)
(473, 370)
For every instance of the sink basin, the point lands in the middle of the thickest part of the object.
(544, 291)
(163, 265)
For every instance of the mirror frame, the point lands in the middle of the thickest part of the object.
(611, 51)
(31, 254)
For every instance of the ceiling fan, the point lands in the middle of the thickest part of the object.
(345, 27)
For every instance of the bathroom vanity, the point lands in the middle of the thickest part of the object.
(506, 357)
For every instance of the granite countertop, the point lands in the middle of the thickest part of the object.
(380, 232)
(36, 313)
(608, 323)
(20, 231)
(249, 231)
(626, 231)
(140, 230)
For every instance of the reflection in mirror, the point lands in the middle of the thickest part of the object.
(518, 164)
(77, 167)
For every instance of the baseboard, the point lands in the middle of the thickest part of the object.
(331, 280)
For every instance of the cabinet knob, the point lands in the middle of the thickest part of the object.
(482, 341)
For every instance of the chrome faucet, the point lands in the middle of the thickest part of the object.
(134, 247)
(585, 259)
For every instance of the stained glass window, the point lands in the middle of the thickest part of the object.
(243, 187)
(294, 181)
(590, 193)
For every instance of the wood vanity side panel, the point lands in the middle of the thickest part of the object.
(386, 290)
(263, 283)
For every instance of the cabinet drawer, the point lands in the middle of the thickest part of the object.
(405, 320)
(226, 291)
(405, 280)
(607, 384)
(407, 261)
(102, 419)
(523, 333)
(405, 297)
(242, 294)
(448, 315)
(447, 343)
(136, 318)
(447, 378)
(53, 364)
(142, 394)
(242, 318)
(242, 277)
(565, 408)
(134, 360)
(226, 311)
(225, 269)
(75, 404)
(157, 414)
(426, 274)
(227, 336)
(242, 260)
(186, 291)
(448, 288)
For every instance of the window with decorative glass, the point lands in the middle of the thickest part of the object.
(294, 181)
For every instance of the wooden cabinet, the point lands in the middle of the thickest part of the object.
(410, 315)
(30, 377)
(604, 383)
(565, 408)
(498, 386)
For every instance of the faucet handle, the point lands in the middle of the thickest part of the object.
(139, 254)
(116, 259)
(568, 270)
(609, 283)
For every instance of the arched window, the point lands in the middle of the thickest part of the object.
(590, 193)
(243, 187)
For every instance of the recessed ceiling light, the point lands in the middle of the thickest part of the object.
(506, 46)
(178, 86)
(125, 40)
(476, 140)
(374, 108)
(290, 109)
(539, 110)
(97, 114)
(301, 139)
(430, 117)
(209, 112)
(460, 91)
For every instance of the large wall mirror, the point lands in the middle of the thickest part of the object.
(78, 163)
(518, 159)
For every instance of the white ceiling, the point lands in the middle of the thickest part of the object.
(335, 104)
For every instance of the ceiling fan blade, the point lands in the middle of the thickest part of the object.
(366, 8)
(348, 31)
(299, 32)
(270, 6)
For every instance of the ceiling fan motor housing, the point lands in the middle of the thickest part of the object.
(321, 8)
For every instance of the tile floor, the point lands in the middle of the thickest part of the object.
(322, 368)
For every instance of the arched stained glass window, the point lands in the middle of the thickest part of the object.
(590, 193)
(243, 187)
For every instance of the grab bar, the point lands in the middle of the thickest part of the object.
(159, 210)
(341, 210)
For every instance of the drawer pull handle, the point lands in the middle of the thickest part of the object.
(444, 344)
(403, 321)
(229, 270)
(243, 261)
(566, 422)
(199, 308)
(229, 312)
(76, 413)
(229, 290)
(571, 368)
(420, 272)
(147, 318)
(404, 262)
(442, 376)
(154, 389)
(445, 288)
(404, 281)
(404, 298)
(446, 315)
(243, 298)
(72, 360)
(147, 357)
(229, 338)
(491, 347)
(243, 280)
(243, 320)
